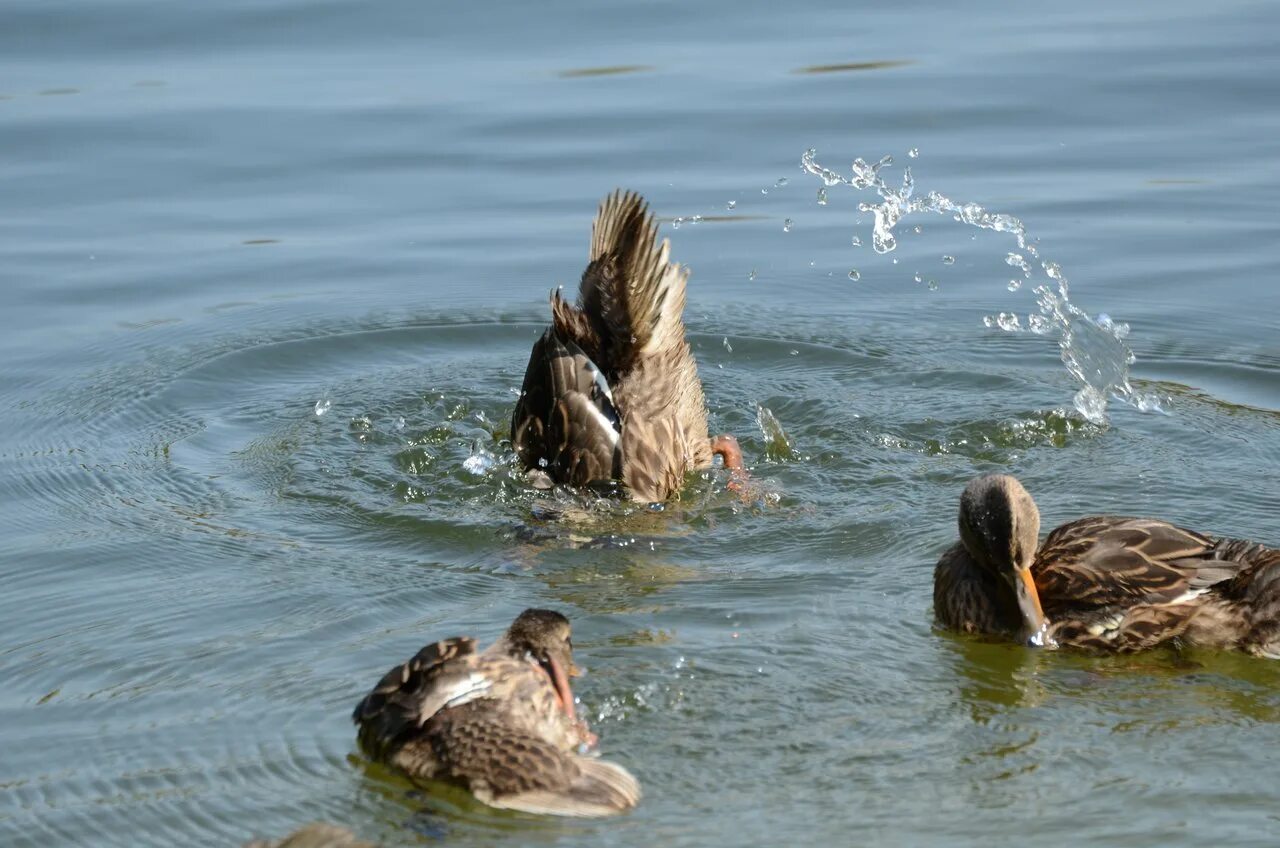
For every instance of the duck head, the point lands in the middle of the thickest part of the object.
(545, 637)
(1000, 528)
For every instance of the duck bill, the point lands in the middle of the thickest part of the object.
(560, 680)
(1034, 624)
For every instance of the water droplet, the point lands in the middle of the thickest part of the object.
(777, 443)
(854, 275)
(752, 275)
(730, 205)
(1008, 322)
(727, 346)
(322, 406)
(917, 229)
(988, 321)
(1038, 324)
(786, 225)
(919, 278)
(399, 423)
(913, 153)
(781, 182)
(1092, 404)
(676, 222)
(1014, 285)
(948, 260)
(764, 191)
(933, 285)
(857, 241)
(822, 197)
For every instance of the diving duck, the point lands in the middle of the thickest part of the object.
(612, 392)
(500, 722)
(1103, 583)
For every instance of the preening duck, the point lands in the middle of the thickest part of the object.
(1102, 583)
(499, 722)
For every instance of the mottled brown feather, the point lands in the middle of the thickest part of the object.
(628, 324)
(314, 835)
(494, 723)
(1118, 584)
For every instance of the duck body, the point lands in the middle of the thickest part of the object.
(1114, 584)
(499, 722)
(611, 392)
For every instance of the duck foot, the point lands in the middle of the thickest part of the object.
(726, 447)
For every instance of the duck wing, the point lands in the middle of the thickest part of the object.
(565, 421)
(438, 676)
(507, 766)
(1107, 561)
(631, 293)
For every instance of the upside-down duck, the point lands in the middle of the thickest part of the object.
(611, 392)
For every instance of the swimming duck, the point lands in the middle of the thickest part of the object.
(1102, 583)
(314, 835)
(499, 722)
(612, 392)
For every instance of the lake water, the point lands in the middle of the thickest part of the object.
(214, 217)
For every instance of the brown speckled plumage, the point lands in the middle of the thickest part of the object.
(498, 722)
(1107, 583)
(612, 392)
(315, 835)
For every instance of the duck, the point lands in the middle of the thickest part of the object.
(1102, 583)
(314, 835)
(611, 394)
(501, 723)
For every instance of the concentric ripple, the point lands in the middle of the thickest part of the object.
(238, 546)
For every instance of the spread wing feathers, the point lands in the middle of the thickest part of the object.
(565, 419)
(506, 766)
(1104, 561)
(410, 694)
(631, 293)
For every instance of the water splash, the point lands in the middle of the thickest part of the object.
(777, 444)
(1093, 350)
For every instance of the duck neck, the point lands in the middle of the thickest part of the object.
(983, 601)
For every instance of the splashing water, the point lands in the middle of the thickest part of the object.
(1093, 350)
(777, 444)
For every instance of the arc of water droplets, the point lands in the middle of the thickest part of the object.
(1093, 349)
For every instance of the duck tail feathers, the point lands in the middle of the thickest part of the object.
(631, 291)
